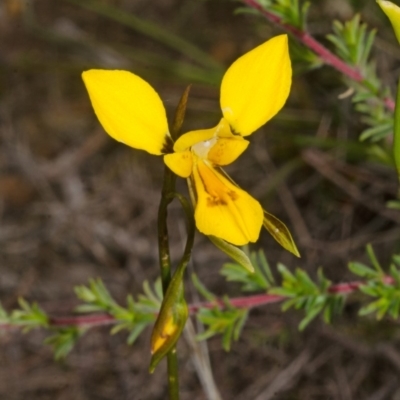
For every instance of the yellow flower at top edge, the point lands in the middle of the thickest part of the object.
(392, 11)
(253, 90)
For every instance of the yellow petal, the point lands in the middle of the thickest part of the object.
(187, 140)
(129, 109)
(256, 86)
(191, 138)
(180, 163)
(393, 13)
(225, 151)
(223, 210)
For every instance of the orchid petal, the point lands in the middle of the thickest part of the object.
(225, 151)
(180, 163)
(224, 210)
(191, 138)
(129, 109)
(393, 13)
(256, 86)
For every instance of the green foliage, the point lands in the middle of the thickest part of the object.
(304, 294)
(223, 318)
(375, 273)
(260, 280)
(4, 317)
(134, 317)
(228, 322)
(64, 340)
(279, 231)
(292, 12)
(233, 252)
(353, 43)
(393, 204)
(29, 316)
(384, 287)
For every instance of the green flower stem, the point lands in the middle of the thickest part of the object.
(167, 195)
(165, 270)
(190, 229)
(165, 262)
(174, 310)
(163, 242)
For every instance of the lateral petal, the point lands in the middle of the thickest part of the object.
(187, 140)
(256, 86)
(180, 163)
(227, 150)
(191, 138)
(223, 209)
(129, 109)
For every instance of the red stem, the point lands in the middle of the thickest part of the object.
(241, 302)
(307, 40)
(83, 320)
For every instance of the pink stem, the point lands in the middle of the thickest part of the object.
(257, 300)
(305, 38)
(83, 320)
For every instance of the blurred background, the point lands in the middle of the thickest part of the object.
(74, 204)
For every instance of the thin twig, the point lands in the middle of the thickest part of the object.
(249, 302)
(307, 40)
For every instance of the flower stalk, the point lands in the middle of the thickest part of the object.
(165, 271)
(167, 196)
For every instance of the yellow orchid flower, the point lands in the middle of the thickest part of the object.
(253, 90)
(392, 11)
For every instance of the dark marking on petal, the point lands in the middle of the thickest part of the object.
(213, 201)
(168, 145)
(235, 133)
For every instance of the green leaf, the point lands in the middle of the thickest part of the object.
(135, 332)
(373, 259)
(362, 270)
(260, 279)
(310, 316)
(264, 265)
(29, 316)
(228, 322)
(370, 289)
(64, 340)
(305, 294)
(233, 252)
(280, 233)
(393, 204)
(202, 289)
(396, 259)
